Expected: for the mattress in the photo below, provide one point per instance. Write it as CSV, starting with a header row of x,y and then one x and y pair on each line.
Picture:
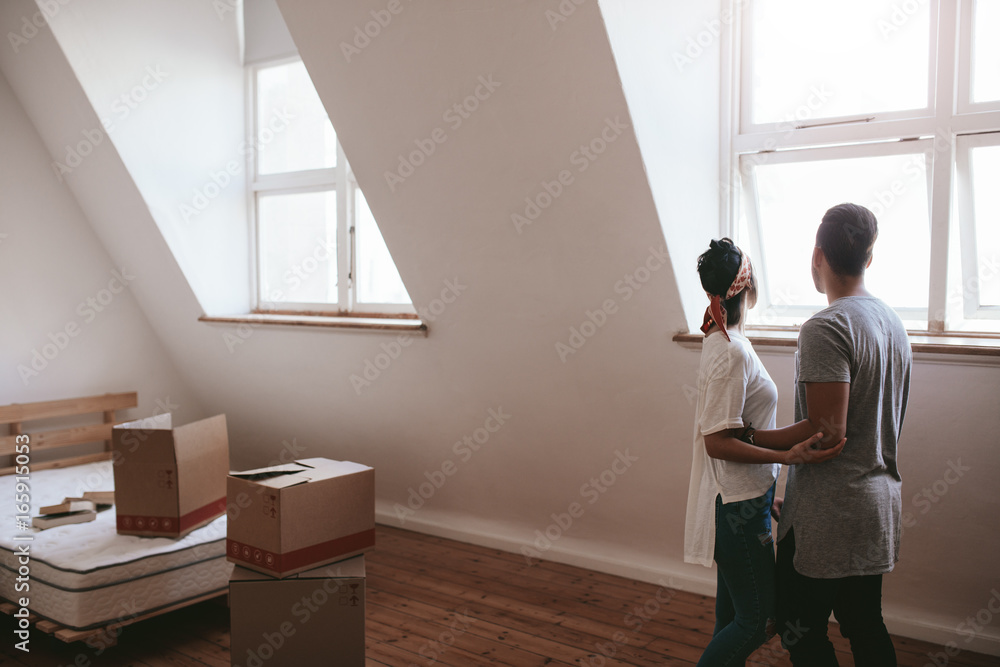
x,y
86,575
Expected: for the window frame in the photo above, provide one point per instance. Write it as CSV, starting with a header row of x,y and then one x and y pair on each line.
x,y
339,179
948,122
755,243
972,306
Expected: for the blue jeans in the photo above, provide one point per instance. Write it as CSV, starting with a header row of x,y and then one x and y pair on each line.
x,y
744,603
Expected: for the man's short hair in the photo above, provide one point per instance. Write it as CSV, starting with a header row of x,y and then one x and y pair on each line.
x,y
846,237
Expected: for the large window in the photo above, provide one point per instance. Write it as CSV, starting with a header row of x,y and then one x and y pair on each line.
x,y
317,247
893,105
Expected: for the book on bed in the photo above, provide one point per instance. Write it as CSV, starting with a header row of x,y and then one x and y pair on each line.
x,y
53,520
68,505
100,497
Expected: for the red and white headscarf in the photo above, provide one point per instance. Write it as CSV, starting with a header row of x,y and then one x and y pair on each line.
x,y
716,312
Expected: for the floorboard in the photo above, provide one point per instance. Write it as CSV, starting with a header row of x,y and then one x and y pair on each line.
x,y
433,601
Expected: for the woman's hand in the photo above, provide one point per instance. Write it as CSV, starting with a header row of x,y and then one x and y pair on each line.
x,y
808,451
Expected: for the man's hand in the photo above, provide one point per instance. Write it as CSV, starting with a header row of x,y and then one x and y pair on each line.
x,y
808,451
776,508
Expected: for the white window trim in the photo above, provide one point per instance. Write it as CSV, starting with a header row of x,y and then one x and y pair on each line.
x,y
965,125
340,179
972,307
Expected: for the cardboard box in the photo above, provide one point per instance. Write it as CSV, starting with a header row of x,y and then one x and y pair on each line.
x,y
295,517
169,481
316,617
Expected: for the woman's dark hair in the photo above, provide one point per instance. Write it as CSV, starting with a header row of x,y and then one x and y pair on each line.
x,y
846,237
718,267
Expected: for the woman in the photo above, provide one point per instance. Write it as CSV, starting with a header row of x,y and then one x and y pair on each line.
x,y
732,481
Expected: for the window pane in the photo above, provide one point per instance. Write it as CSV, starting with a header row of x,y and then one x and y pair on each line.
x,y
986,196
293,131
793,198
298,247
986,52
377,279
846,58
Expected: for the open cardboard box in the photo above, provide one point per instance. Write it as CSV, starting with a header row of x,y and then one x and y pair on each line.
x,y
294,517
169,481
316,617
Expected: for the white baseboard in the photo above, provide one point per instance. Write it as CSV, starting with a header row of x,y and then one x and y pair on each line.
x,y
581,553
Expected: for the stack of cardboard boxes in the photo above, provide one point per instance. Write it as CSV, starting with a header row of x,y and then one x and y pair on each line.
x,y
297,533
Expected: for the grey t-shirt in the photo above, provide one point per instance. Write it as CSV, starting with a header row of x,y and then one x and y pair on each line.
x,y
846,512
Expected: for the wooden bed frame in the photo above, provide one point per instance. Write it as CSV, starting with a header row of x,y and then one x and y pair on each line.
x,y
15,416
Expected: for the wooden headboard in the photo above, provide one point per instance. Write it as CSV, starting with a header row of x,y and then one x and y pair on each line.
x,y
17,414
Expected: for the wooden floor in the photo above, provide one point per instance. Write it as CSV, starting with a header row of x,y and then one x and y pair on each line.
x,y
438,602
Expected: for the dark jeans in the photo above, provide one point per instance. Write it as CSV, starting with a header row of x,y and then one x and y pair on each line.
x,y
804,606
744,602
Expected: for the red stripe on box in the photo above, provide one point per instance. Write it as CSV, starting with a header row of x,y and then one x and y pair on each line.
x,y
170,526
210,510
293,560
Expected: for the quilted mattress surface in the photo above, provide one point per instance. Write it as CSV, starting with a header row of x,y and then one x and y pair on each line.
x,y
84,575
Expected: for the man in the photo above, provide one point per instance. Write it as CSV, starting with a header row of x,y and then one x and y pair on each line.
x,y
839,526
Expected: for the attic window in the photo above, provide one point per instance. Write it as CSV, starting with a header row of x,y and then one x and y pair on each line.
x,y
317,248
895,106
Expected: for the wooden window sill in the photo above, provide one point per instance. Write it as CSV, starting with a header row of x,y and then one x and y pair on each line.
x,y
353,323
981,348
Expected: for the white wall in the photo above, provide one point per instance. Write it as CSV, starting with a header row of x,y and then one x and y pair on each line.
x,y
174,110
494,345
61,297
669,60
